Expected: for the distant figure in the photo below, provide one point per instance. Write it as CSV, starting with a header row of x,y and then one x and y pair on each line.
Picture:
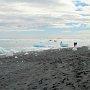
x,y
75,48
75,44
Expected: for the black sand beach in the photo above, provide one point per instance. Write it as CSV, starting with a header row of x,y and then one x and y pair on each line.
x,y
46,70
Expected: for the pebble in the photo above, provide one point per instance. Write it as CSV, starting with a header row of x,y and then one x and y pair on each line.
x,y
26,53
16,57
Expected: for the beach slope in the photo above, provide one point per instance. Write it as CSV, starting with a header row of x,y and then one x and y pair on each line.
x,y
56,69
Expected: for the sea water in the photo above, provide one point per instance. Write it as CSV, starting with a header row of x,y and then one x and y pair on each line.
x,y
17,45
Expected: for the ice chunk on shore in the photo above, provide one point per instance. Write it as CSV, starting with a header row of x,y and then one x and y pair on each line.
x,y
3,50
6,52
74,48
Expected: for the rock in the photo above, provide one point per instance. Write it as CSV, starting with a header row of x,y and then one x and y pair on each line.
x,y
16,57
26,53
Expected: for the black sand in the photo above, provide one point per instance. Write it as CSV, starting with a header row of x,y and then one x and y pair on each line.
x,y
48,70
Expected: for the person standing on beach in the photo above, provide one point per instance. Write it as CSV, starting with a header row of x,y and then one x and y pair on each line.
x,y
75,48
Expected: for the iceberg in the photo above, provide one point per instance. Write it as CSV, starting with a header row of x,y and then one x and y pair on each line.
x,y
63,44
40,46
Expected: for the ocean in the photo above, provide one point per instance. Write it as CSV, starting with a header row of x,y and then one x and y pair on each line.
x,y
17,45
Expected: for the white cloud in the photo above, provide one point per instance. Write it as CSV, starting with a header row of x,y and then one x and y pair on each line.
x,y
66,31
33,30
24,15
84,31
87,1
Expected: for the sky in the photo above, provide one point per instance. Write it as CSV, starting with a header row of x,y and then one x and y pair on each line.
x,y
25,19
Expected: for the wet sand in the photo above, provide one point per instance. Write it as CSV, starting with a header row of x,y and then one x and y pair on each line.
x,y
46,70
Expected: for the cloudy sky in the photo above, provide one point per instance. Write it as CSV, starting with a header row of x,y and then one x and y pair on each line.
x,y
44,19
